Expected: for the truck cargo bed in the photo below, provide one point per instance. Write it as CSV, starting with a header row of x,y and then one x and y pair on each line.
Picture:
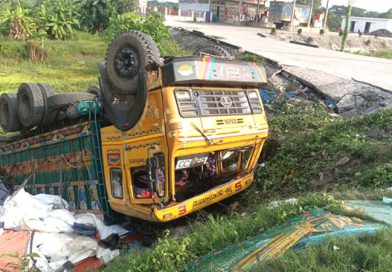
x,y
65,162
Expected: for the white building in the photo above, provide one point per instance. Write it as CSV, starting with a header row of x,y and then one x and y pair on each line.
x,y
367,25
197,6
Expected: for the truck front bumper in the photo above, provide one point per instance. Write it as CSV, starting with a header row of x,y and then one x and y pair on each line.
x,y
198,202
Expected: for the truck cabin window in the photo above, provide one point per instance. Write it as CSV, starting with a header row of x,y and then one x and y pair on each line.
x,y
116,182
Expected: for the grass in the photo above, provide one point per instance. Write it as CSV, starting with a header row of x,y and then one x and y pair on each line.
x,y
358,253
212,233
386,54
70,66
303,157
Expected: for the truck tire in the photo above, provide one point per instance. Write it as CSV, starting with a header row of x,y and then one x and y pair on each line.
x,y
30,104
213,50
62,101
129,54
47,91
9,119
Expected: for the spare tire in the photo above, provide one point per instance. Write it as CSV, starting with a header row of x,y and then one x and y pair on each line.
x,y
129,54
30,104
8,113
62,101
214,51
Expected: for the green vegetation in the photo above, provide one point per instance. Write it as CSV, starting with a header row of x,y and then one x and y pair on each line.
x,y
309,160
359,12
213,233
358,253
152,25
70,66
95,15
386,54
57,19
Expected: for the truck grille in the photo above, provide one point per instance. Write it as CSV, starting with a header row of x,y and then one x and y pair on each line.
x,y
217,102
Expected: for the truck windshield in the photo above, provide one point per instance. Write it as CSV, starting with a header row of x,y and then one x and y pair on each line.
x,y
198,173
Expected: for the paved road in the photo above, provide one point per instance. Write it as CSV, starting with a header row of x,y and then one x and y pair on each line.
x,y
375,71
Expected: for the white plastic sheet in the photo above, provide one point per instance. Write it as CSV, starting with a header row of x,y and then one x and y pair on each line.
x,y
54,240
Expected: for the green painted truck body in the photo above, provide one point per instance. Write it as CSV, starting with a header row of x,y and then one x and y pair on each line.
x,y
65,162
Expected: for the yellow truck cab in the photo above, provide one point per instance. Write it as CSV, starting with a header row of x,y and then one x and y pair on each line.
x,y
197,142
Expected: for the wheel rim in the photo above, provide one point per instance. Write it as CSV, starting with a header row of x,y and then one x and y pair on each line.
x,y
127,62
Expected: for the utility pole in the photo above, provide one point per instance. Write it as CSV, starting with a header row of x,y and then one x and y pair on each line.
x,y
239,18
258,7
326,15
292,13
345,34
311,11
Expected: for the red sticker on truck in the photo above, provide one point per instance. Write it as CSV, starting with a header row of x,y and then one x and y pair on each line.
x,y
238,186
182,210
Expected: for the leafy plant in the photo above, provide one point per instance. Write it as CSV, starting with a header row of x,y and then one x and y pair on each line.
x,y
299,31
152,25
17,22
273,31
322,31
95,16
57,18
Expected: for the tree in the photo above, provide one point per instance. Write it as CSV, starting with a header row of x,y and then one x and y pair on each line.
x,y
16,22
387,14
57,18
334,22
95,14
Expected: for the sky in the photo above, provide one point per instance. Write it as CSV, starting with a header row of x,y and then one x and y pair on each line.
x,y
370,5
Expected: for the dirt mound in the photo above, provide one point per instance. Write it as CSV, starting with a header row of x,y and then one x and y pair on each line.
x,y
382,33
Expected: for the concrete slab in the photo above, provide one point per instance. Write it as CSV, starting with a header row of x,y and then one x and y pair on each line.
x,y
374,71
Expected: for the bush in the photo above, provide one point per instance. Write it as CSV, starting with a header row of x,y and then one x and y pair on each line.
x,y
322,31
299,31
309,40
273,31
152,25
359,33
95,15
17,22
341,33
368,42
55,19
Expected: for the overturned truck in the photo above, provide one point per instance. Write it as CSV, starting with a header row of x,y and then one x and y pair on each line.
x,y
158,139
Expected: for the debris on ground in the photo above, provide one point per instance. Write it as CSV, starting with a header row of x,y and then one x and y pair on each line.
x,y
332,41
304,230
348,97
43,231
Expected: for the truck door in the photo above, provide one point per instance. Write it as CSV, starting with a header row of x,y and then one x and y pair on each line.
x,y
146,154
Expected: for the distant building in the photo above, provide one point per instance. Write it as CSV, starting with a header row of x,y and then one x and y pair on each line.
x,y
199,7
142,6
367,25
223,10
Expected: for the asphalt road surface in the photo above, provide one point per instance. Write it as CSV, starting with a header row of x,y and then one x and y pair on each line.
x,y
375,71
